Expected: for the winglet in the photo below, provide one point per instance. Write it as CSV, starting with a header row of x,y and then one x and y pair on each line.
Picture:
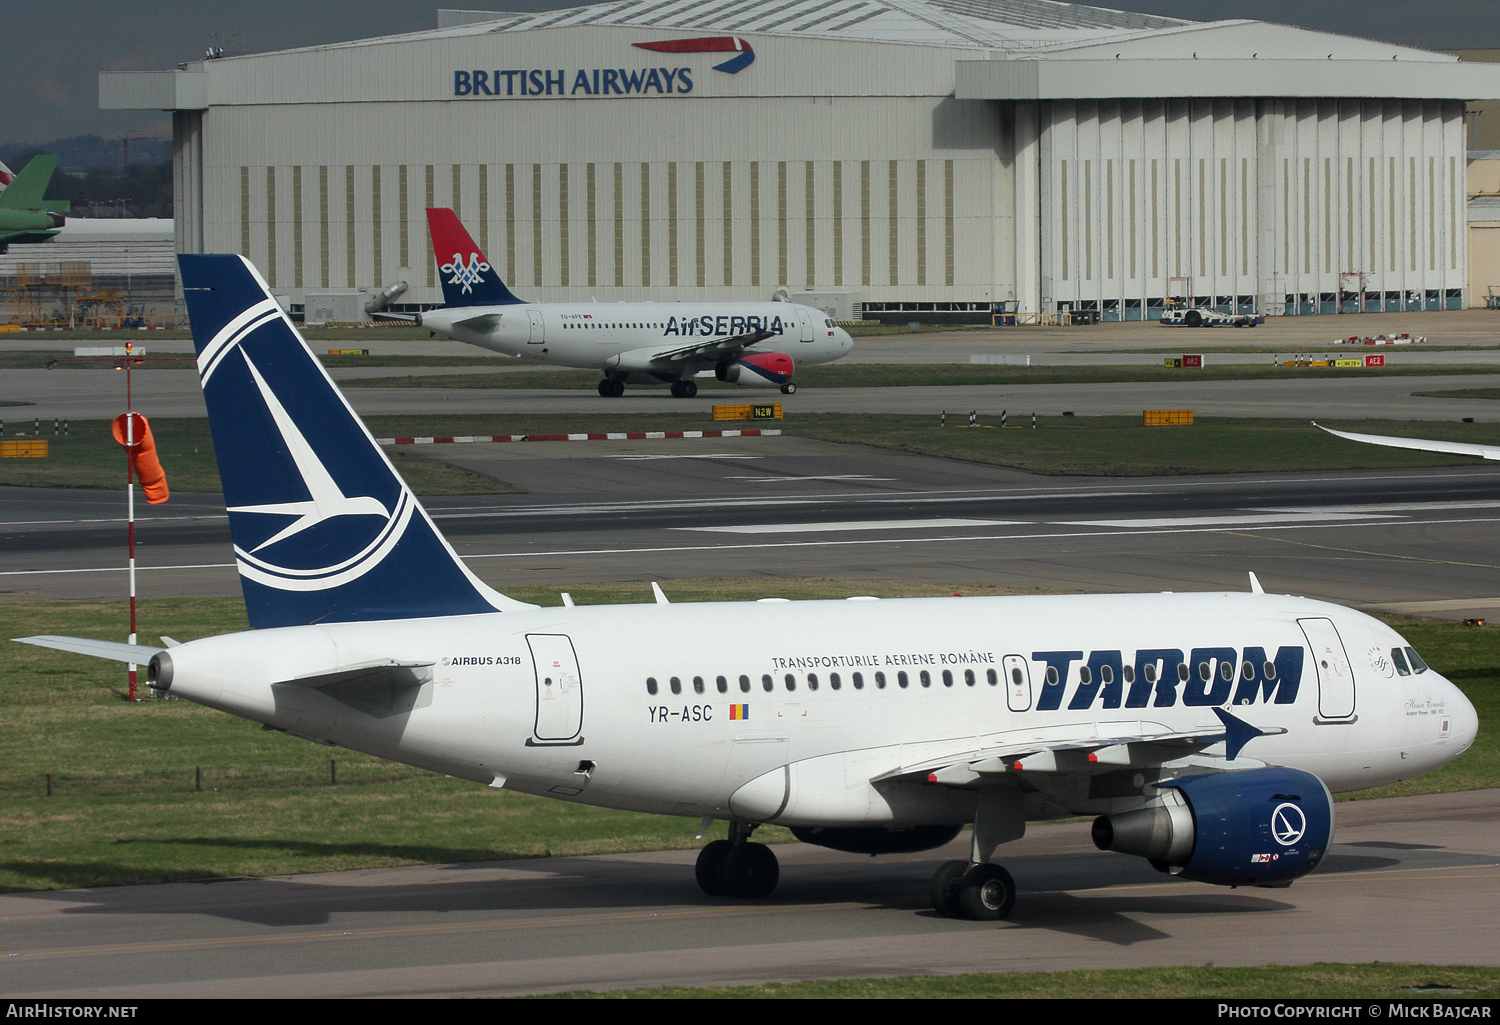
x,y
1255,587
661,598
1237,733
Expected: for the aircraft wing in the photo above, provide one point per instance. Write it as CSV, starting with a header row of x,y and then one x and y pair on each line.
x,y
712,349
1457,448
1095,755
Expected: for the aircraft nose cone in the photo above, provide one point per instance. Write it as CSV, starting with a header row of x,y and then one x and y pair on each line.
x,y
1465,725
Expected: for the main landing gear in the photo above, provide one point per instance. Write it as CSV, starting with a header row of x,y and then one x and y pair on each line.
x,y
684,389
736,867
611,387
985,893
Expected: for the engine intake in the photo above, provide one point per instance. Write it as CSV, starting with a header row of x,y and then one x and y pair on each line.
x,y
1251,827
760,370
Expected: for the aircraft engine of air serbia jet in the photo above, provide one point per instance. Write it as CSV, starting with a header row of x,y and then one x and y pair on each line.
x,y
754,344
1206,732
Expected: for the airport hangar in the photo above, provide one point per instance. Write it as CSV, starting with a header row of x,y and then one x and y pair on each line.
x,y
916,159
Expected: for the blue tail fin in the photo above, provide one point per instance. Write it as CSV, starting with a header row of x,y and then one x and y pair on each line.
x,y
325,530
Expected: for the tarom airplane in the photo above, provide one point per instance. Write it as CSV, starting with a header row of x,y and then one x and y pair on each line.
x,y
1207,732
754,344
24,215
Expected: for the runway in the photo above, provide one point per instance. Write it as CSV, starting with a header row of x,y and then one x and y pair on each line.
x,y
1431,864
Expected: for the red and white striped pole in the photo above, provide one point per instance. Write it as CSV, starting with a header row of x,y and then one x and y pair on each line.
x,y
130,504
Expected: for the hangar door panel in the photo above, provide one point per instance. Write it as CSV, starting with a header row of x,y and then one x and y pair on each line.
x,y
559,688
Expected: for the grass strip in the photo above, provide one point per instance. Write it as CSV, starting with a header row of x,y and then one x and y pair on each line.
x,y
1112,446
909,375
1405,982
125,807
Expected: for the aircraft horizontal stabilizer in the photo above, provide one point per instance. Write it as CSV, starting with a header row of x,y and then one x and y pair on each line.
x,y
138,654
375,674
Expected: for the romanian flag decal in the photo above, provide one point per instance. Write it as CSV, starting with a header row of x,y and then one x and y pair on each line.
x,y
739,712
709,44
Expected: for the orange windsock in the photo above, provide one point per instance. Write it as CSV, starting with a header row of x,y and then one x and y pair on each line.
x,y
142,453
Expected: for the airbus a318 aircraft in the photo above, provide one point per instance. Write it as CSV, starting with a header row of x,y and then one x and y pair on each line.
x,y
1206,732
752,344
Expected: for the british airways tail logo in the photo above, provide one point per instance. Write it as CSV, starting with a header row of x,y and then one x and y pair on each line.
x,y
709,44
465,275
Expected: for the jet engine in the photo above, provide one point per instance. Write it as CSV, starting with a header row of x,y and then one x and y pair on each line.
x,y
1250,827
761,370
877,839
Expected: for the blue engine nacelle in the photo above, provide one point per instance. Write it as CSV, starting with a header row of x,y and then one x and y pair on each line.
x,y
1250,827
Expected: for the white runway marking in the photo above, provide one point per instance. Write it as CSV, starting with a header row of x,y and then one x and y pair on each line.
x,y
803,528
827,476
1266,519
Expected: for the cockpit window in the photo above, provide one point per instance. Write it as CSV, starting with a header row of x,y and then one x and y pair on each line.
x,y
1399,658
1416,660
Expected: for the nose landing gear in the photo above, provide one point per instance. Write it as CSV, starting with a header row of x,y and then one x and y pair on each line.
x,y
737,867
611,387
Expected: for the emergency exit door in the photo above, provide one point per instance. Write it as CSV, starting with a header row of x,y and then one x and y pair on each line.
x,y
1335,673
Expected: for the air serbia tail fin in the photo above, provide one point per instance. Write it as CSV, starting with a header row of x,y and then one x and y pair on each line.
x,y
324,528
468,278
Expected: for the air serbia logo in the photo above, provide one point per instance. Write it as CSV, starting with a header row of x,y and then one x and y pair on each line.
x,y
465,276
710,44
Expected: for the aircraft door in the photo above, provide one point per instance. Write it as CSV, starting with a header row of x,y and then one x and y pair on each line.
x,y
804,321
1017,672
1335,674
537,327
559,690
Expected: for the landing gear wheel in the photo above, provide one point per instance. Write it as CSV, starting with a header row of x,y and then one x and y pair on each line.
x,y
986,893
616,388
605,388
750,871
684,389
710,868
789,389
945,887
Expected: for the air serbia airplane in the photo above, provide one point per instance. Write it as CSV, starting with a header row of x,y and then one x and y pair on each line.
x,y
1207,732
756,345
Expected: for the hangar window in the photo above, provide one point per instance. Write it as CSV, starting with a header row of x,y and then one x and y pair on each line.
x,y
833,680
767,683
676,685
723,685
1399,657
791,682
812,681
697,685
650,685
901,680
744,685
926,678
859,681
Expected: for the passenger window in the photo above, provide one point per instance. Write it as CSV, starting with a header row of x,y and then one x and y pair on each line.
x,y
1204,672
1150,670
1182,672
901,680
1226,671
1051,676
791,682
697,685
650,685
1015,676
723,685
744,685
969,677
1128,673
1416,660
1085,675
1247,670
859,681
1107,674
676,685
926,678
880,681
812,681
993,677
947,678
1268,670
767,683
833,680
1397,656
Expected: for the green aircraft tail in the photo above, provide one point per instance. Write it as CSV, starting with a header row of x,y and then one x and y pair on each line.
x,y
27,188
